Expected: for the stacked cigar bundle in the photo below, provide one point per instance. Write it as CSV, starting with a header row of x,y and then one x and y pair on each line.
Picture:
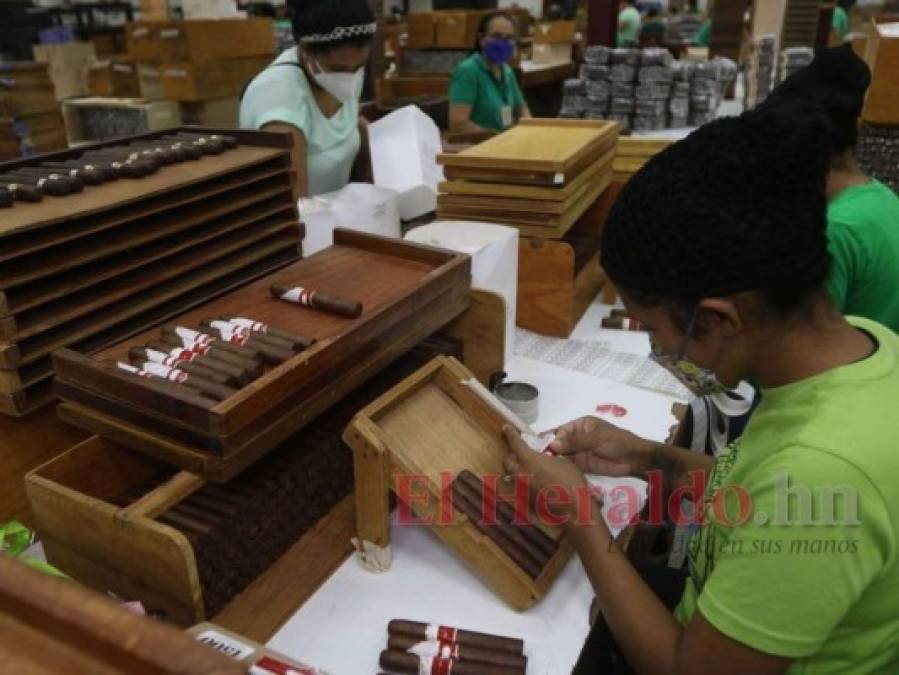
x,y
527,546
213,362
136,159
621,320
414,647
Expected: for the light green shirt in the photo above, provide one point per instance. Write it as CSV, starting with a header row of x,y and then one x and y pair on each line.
x,y
863,238
824,595
475,84
840,22
628,26
283,94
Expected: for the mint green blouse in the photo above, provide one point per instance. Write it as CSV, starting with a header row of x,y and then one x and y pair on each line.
x,y
283,94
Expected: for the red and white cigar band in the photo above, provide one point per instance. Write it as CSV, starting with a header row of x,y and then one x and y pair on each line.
x,y
249,324
442,634
152,369
172,359
300,296
269,665
230,328
127,367
191,337
631,324
435,649
196,348
235,336
433,665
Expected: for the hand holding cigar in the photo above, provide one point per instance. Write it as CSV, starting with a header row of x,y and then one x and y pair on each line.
x,y
308,297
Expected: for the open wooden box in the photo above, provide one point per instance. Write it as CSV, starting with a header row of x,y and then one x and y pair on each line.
x,y
433,425
408,292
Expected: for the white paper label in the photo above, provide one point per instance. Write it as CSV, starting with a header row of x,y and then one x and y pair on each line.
x,y
169,33
559,178
506,116
122,68
175,72
225,644
189,336
249,324
128,367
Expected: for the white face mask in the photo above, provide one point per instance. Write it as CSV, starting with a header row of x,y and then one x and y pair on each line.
x,y
342,86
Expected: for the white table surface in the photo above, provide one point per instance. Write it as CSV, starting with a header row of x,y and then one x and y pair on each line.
x,y
342,628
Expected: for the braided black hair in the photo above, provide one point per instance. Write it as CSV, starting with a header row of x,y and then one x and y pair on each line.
x,y
835,81
320,17
739,205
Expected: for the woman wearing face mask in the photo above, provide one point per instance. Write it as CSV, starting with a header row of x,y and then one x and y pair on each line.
x,y
719,247
484,92
312,91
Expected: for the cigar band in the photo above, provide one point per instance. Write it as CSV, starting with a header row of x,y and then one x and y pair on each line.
x,y
228,327
441,634
249,324
234,337
631,324
434,649
434,665
193,336
179,355
198,349
299,295
155,355
163,371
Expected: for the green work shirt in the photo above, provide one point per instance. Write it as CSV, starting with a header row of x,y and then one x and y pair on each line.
x,y
475,84
704,35
628,26
283,94
863,235
816,579
840,22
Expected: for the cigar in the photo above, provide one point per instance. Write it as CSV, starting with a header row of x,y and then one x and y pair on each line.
x,y
21,192
187,363
225,141
623,324
245,339
507,528
298,341
124,153
90,174
121,168
404,662
228,326
239,375
191,336
618,313
55,187
74,180
447,634
544,543
464,652
6,198
213,390
165,151
215,351
306,297
206,144
168,385
464,504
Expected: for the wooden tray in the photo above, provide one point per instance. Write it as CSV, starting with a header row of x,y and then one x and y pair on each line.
x,y
408,292
536,151
433,426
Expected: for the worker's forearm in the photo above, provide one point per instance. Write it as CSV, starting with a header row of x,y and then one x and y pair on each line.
x,y
678,466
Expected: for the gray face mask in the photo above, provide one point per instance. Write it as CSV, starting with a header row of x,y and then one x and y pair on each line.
x,y
701,381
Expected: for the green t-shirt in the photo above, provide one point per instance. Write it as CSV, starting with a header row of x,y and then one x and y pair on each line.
x,y
863,234
628,26
840,22
476,85
704,35
825,595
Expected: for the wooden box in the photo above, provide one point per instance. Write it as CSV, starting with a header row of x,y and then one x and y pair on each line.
x,y
421,30
114,77
143,40
149,78
201,81
408,292
198,40
546,54
50,625
434,426
554,33
882,102
456,29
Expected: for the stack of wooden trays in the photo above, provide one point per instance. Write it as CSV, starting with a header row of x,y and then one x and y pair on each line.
x,y
30,119
86,270
546,178
632,154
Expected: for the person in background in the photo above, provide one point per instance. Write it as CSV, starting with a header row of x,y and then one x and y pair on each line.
x,y
862,213
841,23
312,92
652,32
704,34
484,94
718,247
628,24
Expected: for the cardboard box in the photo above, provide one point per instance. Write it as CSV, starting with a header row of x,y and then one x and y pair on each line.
x,y
211,9
142,38
250,654
190,81
421,30
68,64
457,30
149,78
203,40
550,54
129,115
219,113
554,32
882,102
115,77
155,10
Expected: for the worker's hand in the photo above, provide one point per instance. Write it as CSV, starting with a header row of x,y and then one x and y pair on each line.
x,y
597,447
546,473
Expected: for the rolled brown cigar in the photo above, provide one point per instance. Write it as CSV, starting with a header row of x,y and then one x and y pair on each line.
x,y
55,187
239,375
623,324
506,511
124,153
215,351
21,192
465,652
507,527
213,390
187,364
121,168
74,180
90,174
298,341
307,297
215,140
190,336
221,324
464,504
6,198
405,662
204,143
449,635
236,336
164,151
164,384
619,313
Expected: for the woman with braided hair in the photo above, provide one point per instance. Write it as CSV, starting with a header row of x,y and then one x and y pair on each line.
x,y
312,92
719,247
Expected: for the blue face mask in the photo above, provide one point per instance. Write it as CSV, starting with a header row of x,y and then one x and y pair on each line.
x,y
499,51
